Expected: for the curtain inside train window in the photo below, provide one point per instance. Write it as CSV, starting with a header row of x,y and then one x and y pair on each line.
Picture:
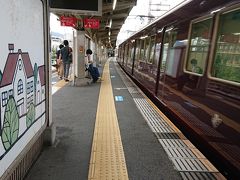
x,y
226,63
198,46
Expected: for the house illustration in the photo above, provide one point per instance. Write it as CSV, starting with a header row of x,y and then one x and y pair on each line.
x,y
17,81
40,85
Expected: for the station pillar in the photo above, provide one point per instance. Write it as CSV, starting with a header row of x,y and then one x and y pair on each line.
x,y
79,54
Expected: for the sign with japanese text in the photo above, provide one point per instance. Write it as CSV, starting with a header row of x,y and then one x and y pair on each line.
x,y
91,23
68,21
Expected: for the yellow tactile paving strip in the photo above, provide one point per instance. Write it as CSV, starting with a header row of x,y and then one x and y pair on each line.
x,y
107,156
58,86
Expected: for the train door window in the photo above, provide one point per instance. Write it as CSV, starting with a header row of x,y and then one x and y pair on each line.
x,y
147,49
137,52
152,49
165,50
126,54
198,46
142,49
132,51
226,61
122,51
130,54
157,49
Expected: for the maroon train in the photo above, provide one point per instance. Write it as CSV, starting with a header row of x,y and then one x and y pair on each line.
x,y
188,62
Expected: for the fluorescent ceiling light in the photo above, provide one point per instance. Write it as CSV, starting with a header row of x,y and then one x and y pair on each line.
x,y
110,23
215,11
236,34
114,4
160,30
143,37
169,29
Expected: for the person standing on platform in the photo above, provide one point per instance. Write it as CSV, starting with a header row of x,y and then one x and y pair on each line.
x,y
59,62
66,56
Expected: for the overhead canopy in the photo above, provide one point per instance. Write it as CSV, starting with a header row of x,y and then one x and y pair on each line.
x,y
111,20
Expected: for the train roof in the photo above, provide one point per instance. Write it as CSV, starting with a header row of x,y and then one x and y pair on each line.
x,y
187,10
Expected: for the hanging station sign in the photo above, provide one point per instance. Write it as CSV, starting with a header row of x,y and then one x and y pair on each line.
x,y
72,22
91,23
68,21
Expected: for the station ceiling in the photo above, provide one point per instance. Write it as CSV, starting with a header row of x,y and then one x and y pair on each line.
x,y
117,16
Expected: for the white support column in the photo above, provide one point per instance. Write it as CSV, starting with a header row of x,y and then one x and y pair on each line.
x,y
79,51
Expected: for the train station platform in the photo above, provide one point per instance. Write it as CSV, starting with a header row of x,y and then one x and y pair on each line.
x,y
111,130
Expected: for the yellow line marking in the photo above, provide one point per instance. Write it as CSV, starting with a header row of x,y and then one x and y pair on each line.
x,y
107,156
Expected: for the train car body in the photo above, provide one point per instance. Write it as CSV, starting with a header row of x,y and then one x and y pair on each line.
x,y
188,62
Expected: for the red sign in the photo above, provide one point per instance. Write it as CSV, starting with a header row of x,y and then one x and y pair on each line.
x,y
68,21
91,23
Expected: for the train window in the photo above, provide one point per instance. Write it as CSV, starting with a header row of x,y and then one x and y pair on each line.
x,y
157,49
226,64
137,53
169,39
198,46
147,49
141,49
126,54
152,50
130,54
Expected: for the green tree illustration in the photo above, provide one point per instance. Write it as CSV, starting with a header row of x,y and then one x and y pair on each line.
x,y
10,128
30,115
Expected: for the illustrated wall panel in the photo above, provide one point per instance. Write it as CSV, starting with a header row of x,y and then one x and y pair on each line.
x,y
22,76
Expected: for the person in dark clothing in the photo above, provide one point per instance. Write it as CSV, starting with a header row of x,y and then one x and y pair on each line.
x,y
66,56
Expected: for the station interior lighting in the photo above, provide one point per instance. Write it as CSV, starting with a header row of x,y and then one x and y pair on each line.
x,y
143,37
114,4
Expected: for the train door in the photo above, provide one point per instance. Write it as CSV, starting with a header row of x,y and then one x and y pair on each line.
x,y
168,41
130,57
198,53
